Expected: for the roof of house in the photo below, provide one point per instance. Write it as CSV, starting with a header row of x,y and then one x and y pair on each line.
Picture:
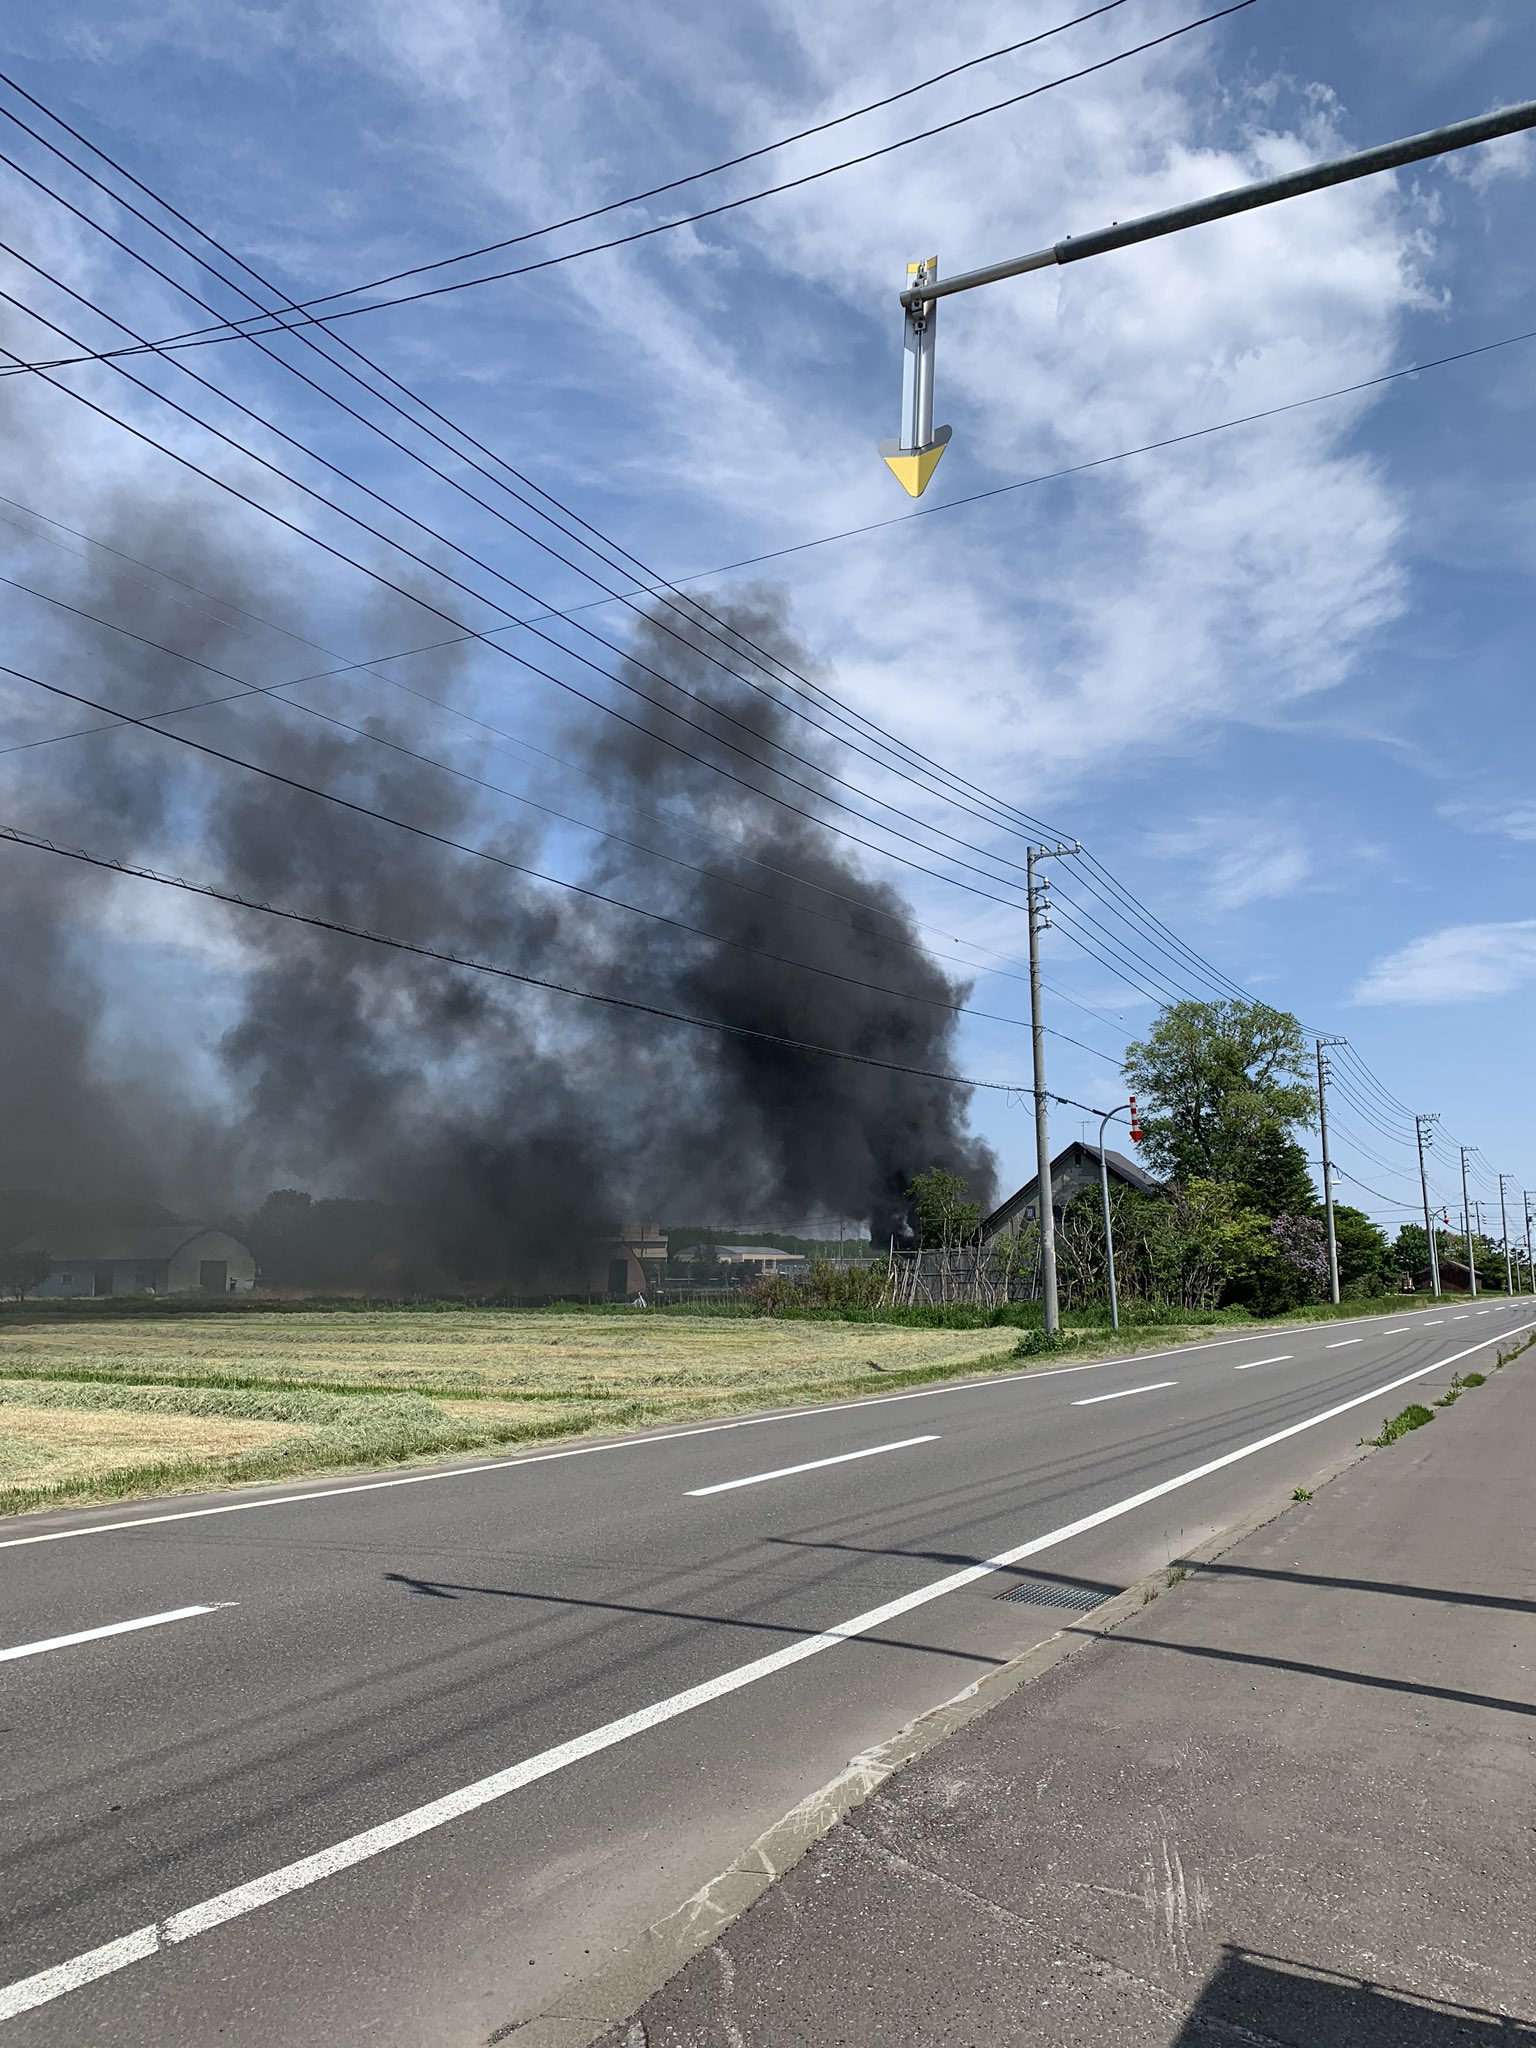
x,y
102,1246
1124,1170
756,1251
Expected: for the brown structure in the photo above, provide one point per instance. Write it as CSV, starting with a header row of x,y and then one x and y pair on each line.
x,y
629,1263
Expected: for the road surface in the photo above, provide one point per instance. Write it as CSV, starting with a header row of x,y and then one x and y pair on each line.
x,y
400,1760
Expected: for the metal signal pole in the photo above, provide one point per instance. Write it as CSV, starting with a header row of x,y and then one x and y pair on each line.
x,y
914,457
1429,1228
1466,1218
1045,1207
1323,1071
1509,1271
1109,1227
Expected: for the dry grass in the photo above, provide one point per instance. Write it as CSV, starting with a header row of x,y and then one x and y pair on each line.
x,y
93,1410
48,1448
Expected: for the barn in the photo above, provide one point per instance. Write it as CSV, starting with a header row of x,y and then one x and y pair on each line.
x,y
171,1258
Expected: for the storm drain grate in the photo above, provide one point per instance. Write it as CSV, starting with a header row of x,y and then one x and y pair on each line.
x,y
1053,1593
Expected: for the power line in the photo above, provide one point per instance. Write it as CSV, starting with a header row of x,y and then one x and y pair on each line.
x,y
499,860
1144,917
683,220
1139,925
19,836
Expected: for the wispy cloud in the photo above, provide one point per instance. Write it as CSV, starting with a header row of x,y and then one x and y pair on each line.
x,y
1235,860
1460,964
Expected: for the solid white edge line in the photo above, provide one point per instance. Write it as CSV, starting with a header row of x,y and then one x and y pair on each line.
x,y
1123,1393
811,1465
1280,1358
113,1628
630,1443
46,1985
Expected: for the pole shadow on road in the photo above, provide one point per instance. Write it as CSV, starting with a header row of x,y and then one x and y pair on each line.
x,y
1252,1997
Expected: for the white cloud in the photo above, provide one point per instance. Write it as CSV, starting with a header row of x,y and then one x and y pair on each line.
x,y
1137,610
1238,859
1457,965
1510,156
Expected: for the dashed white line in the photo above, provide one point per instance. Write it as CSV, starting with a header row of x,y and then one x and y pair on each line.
x,y
1431,1322
113,1628
1485,1311
27,1993
1343,1341
812,1465
1093,1400
1280,1358
1400,1331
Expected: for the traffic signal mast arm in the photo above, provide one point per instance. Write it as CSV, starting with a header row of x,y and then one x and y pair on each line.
x,y
920,447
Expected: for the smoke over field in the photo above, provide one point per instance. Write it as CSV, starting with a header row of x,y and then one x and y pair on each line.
x,y
508,1127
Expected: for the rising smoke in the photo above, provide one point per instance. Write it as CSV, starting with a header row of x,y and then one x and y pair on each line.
x,y
508,1128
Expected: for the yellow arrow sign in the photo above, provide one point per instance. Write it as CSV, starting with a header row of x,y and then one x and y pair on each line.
x,y
913,467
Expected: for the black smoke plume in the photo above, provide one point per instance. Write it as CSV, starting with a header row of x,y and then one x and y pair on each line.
x,y
507,1129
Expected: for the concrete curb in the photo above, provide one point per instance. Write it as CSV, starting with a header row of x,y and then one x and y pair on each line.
x,y
623,1983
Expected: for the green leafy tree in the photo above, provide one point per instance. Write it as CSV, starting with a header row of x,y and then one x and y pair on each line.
x,y
942,1210
1367,1264
1215,1082
1278,1181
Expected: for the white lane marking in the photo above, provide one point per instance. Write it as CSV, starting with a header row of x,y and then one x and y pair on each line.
x,y
1431,1321
630,1443
1484,1311
1280,1358
1094,1399
1400,1331
813,1465
1343,1341
113,1628
44,1986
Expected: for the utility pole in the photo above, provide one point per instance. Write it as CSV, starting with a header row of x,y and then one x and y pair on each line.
x,y
914,457
1509,1271
1466,1218
1323,1072
1530,1261
1045,1210
1419,1123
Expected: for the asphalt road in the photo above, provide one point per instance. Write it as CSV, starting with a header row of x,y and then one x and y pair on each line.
x,y
398,1761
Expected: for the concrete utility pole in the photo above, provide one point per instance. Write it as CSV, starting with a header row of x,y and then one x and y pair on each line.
x,y
1530,1260
1419,1123
1509,1271
1039,921
915,456
1466,1220
1323,1071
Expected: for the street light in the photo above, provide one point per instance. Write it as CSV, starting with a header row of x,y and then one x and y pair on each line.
x,y
1109,1228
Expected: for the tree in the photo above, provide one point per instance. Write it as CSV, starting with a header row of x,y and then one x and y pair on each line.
x,y
1279,1181
1215,1082
20,1272
1366,1264
940,1207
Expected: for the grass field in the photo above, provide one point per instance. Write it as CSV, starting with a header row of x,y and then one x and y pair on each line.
x,y
94,1407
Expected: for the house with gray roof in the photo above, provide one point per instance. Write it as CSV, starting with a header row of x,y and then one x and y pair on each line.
x,y
1071,1171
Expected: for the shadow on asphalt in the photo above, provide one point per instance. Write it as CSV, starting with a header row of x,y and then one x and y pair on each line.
x,y
1507,1602
1255,1998
1115,1638
447,1589
962,1558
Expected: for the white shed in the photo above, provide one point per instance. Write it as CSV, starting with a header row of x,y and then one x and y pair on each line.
x,y
172,1258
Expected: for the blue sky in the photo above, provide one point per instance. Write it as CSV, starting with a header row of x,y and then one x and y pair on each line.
x,y
1277,679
